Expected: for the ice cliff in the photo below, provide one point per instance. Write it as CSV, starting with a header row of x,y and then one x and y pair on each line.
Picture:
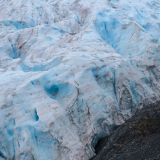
x,y
71,70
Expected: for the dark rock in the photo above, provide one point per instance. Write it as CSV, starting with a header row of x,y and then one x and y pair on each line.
x,y
137,139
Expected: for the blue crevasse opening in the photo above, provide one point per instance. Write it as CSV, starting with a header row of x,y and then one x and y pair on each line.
x,y
41,67
59,91
125,37
53,90
16,24
36,117
14,53
108,27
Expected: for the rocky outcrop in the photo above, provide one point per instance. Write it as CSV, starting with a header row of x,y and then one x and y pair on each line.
x,y
138,138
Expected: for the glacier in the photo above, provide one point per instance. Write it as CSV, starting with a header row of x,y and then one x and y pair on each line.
x,y
72,70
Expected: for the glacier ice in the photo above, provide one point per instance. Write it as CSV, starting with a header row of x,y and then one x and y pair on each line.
x,y
70,71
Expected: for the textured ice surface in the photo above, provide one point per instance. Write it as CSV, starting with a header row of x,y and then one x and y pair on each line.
x,y
71,70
